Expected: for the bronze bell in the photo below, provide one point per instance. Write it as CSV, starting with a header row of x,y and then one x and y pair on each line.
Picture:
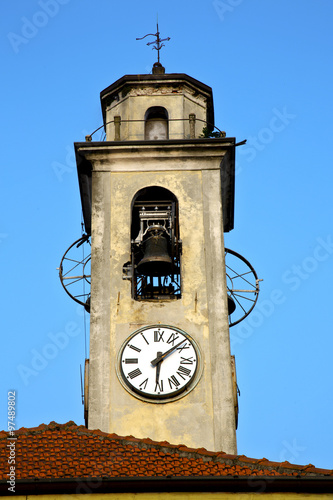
x,y
231,305
87,304
156,260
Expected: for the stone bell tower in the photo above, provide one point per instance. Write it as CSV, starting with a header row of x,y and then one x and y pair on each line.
x,y
157,196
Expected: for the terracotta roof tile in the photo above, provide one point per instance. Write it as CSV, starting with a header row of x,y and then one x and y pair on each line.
x,y
71,451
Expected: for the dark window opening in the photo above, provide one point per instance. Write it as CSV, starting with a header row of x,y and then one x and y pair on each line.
x,y
155,245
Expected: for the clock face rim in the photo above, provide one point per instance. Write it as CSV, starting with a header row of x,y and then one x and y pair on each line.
x,y
155,398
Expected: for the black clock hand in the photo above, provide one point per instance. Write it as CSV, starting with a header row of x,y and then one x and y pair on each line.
x,y
160,358
158,368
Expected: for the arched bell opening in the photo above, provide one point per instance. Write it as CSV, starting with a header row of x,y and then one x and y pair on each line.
x,y
156,124
155,245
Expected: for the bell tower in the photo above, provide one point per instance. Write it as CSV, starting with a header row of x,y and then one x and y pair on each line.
x,y
157,196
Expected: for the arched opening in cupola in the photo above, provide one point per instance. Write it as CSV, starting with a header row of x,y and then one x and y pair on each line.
x,y
156,124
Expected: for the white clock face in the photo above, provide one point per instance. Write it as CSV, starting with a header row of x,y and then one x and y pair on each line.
x,y
159,362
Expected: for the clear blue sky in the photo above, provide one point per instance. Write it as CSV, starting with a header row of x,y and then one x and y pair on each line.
x,y
270,66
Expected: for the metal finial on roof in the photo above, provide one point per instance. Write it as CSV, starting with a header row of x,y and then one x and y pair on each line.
x,y
158,42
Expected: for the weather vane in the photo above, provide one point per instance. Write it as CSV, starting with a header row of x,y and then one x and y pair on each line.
x,y
158,42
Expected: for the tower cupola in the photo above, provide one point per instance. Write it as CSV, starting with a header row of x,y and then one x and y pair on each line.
x,y
185,104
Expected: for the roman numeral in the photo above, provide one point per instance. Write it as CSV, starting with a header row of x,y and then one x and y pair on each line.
x,y
183,371
131,361
159,386
182,347
172,339
134,348
134,373
187,361
145,382
158,336
173,381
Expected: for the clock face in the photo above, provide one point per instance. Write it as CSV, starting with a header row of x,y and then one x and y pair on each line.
x,y
159,362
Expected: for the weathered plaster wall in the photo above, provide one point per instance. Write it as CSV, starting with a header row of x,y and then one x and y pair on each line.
x,y
204,417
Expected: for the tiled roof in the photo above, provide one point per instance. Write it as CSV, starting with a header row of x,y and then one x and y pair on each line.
x,y
60,451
